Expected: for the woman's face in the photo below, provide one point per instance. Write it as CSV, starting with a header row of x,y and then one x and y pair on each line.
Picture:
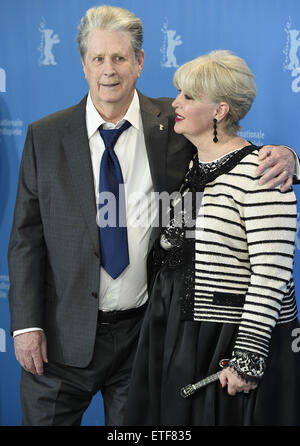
x,y
193,118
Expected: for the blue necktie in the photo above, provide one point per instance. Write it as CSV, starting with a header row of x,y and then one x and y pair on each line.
x,y
113,239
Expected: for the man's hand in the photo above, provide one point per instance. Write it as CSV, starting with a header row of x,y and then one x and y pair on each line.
x,y
235,383
31,351
281,164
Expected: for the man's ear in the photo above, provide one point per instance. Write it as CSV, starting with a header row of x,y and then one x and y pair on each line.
x,y
84,68
140,62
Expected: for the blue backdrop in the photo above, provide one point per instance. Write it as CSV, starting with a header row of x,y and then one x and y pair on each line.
x,y
41,72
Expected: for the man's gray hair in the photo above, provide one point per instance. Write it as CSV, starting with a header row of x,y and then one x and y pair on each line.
x,y
114,19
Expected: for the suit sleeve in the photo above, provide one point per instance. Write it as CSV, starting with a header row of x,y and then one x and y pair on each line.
x,y
26,251
296,179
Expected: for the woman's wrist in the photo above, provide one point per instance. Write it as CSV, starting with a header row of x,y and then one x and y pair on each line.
x,y
247,365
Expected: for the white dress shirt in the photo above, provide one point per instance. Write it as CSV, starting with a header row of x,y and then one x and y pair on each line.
x,y
129,290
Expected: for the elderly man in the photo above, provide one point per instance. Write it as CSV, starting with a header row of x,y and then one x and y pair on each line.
x,y
78,291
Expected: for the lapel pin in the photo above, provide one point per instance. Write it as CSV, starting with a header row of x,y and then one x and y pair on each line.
x,y
161,127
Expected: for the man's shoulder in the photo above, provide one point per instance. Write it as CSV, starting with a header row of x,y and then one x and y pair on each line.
x,y
161,100
62,117
163,104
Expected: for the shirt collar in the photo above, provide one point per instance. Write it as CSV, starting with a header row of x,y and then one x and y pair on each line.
x,y
94,120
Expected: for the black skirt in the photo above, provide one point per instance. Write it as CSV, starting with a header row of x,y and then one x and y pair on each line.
x,y
173,353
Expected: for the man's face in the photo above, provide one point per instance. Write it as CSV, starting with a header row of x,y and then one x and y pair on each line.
x,y
111,71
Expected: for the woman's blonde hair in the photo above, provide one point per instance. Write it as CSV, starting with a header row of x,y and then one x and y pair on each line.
x,y
219,76
113,19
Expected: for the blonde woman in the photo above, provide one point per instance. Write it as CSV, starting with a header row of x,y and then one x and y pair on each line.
x,y
222,287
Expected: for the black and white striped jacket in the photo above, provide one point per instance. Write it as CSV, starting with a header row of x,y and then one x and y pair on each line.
x,y
244,251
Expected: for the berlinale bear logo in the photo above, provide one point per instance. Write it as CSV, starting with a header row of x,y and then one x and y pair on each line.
x,y
291,55
48,40
2,341
2,81
171,41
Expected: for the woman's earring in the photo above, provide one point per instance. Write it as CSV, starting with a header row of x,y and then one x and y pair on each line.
x,y
215,131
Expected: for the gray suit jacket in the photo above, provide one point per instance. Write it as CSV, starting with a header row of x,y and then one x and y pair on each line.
x,y
54,260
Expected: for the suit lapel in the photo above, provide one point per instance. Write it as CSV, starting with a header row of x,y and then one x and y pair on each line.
x,y
156,137
77,152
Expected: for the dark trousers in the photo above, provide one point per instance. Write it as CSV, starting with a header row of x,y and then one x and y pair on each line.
x,y
61,395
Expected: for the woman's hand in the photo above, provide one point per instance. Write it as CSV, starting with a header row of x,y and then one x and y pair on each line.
x,y
234,382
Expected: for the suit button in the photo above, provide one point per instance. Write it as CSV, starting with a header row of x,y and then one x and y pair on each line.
x,y
96,254
94,294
